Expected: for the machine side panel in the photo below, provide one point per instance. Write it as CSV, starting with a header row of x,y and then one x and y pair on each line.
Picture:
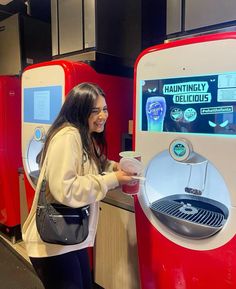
x,y
10,150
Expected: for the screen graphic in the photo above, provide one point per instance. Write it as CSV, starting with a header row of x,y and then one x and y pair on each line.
x,y
196,104
42,105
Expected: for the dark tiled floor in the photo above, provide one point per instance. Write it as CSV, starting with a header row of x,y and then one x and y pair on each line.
x,y
15,271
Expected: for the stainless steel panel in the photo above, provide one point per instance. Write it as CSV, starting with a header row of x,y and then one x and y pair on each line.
x,y
70,25
54,27
10,51
89,24
202,13
173,17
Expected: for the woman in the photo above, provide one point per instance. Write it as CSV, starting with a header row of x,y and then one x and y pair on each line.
x,y
75,157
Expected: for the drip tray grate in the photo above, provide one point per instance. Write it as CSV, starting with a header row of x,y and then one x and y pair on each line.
x,y
191,216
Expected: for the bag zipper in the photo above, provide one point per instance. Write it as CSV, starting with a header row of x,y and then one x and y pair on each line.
x,y
85,209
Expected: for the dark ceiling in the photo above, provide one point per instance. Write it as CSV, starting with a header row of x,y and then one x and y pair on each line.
x,y
37,9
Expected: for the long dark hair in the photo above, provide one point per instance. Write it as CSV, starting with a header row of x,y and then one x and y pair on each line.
x,y
76,111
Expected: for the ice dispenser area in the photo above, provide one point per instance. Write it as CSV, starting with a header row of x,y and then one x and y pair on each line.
x,y
186,192
32,160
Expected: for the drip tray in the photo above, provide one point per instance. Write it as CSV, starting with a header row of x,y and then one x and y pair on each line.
x,y
195,217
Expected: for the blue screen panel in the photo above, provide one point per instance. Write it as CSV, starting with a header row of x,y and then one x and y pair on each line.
x,y
42,104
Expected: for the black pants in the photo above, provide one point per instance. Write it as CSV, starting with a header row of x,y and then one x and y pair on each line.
x,y
67,271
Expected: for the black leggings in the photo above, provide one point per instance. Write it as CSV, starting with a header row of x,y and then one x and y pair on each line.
x,y
67,271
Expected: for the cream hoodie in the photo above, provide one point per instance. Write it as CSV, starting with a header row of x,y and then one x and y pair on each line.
x,y
71,183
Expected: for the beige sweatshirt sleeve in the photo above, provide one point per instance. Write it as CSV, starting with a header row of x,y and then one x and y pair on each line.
x,y
64,173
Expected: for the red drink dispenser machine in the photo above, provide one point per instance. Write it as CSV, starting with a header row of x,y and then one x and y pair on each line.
x,y
185,130
10,156
44,88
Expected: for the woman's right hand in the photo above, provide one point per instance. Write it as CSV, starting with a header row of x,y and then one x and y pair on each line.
x,y
123,177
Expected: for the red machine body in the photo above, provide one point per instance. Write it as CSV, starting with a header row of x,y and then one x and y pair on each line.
x,y
10,154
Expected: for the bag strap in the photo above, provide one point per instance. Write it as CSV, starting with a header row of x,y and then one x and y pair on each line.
x,y
42,200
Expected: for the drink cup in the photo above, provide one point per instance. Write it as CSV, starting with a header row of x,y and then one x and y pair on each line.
x,y
130,163
131,188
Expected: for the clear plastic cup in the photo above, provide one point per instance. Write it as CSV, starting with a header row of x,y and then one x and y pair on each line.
x,y
133,165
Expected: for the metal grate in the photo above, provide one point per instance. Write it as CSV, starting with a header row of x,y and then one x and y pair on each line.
x,y
186,211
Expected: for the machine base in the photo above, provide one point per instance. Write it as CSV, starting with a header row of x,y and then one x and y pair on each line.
x,y
13,234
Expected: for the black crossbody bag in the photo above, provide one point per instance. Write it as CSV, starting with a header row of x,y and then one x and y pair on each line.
x,y
60,224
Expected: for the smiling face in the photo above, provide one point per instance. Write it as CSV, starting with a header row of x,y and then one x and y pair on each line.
x,y
98,116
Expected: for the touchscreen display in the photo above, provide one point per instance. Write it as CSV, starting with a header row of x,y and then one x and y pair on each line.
x,y
203,104
42,104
